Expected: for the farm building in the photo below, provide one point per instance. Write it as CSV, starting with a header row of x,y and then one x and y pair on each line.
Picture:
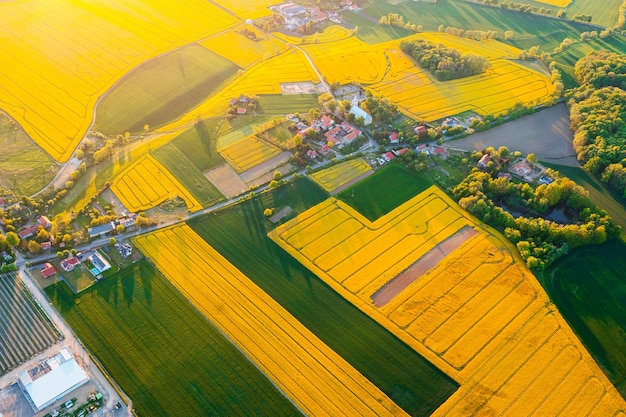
x,y
28,232
51,379
48,270
44,222
100,231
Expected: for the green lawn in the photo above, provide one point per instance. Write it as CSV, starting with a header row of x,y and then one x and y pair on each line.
x,y
240,234
188,174
388,188
589,289
284,104
199,144
163,353
24,167
162,89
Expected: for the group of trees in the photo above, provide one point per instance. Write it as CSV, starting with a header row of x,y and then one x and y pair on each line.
x,y
380,108
598,111
539,241
444,63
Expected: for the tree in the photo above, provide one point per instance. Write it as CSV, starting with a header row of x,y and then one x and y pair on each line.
x,y
273,184
34,247
268,212
12,239
112,241
277,175
531,158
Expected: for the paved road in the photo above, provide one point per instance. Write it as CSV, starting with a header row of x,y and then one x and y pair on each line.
x,y
545,133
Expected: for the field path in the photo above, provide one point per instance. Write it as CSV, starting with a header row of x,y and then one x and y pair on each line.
x,y
545,133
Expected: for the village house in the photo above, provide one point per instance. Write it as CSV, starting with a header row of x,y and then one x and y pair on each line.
x,y
343,134
324,150
44,222
100,231
484,160
46,246
69,263
441,152
420,131
28,231
394,138
48,270
311,153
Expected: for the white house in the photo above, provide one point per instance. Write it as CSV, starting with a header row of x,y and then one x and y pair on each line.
x,y
359,112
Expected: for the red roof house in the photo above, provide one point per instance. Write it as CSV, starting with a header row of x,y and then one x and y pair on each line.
x,y
388,156
325,149
69,263
46,246
241,110
484,160
28,232
420,130
48,270
442,152
44,222
311,153
394,137
326,122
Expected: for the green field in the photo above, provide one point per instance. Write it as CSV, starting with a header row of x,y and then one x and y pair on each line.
x,y
603,13
529,29
162,89
240,234
163,353
589,289
199,144
284,104
388,188
24,167
188,174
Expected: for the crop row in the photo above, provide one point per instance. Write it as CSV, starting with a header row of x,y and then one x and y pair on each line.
x,y
318,380
147,184
247,153
63,56
334,177
478,313
25,329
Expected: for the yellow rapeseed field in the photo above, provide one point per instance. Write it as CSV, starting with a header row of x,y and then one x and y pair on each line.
x,y
329,34
60,56
557,3
330,179
249,9
242,51
147,183
248,153
349,60
459,294
313,376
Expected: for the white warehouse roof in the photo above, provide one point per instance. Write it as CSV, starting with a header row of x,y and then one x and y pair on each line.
x,y
64,376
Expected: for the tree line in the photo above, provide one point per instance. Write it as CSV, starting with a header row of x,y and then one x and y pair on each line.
x,y
540,241
443,62
598,112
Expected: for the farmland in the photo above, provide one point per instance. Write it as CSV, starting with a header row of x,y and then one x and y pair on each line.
x,y
330,179
576,283
399,185
162,89
253,9
190,177
147,183
475,311
26,330
24,167
421,96
163,353
312,375
199,144
61,66
239,234
247,153
247,51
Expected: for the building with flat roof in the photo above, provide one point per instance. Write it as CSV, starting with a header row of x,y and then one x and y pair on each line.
x,y
51,380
